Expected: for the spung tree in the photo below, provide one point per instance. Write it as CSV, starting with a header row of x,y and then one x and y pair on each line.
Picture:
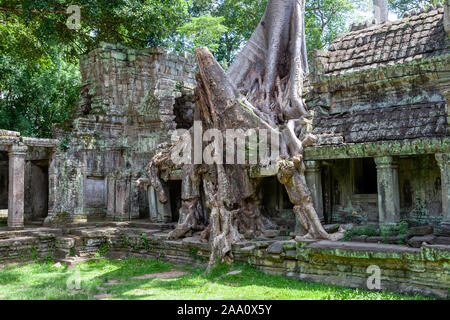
x,y
261,90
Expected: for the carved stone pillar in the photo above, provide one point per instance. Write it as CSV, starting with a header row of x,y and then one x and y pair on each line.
x,y
443,160
122,212
447,16
52,185
388,190
152,204
159,212
314,180
111,196
16,192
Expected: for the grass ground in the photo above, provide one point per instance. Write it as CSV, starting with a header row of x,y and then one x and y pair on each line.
x,y
113,279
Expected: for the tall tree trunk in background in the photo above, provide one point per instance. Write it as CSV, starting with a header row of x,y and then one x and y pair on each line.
x,y
270,68
381,11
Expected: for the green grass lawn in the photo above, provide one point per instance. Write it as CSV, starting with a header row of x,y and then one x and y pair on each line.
x,y
112,279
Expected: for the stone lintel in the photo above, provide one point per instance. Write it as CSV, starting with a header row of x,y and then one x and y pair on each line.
x,y
8,140
374,149
4,133
176,175
34,142
443,160
261,172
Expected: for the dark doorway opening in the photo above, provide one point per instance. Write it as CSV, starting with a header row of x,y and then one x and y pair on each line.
x,y
365,174
184,113
39,190
175,198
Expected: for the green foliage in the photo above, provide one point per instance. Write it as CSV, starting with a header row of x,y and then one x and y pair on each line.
x,y
103,250
33,97
401,6
193,252
38,25
326,19
204,31
369,231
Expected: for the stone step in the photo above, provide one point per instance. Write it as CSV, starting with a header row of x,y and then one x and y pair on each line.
x,y
151,225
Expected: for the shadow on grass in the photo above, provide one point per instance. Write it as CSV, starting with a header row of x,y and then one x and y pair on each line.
x,y
250,283
96,279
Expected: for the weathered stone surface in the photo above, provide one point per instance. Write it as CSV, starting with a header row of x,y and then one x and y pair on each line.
x,y
373,102
376,239
16,190
376,124
442,240
351,51
130,103
420,231
276,247
271,233
359,238
416,242
442,230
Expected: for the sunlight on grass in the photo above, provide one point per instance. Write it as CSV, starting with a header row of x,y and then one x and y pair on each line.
x,y
112,279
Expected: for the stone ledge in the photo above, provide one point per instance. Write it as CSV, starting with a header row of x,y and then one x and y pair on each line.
x,y
34,142
362,246
385,148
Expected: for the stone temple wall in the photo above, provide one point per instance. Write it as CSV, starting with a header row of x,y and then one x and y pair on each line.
x,y
126,109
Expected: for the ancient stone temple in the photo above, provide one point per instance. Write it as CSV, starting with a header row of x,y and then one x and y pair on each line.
x,y
130,103
378,99
380,96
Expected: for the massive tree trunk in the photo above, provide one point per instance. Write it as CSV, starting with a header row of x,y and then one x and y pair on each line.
x,y
270,68
262,90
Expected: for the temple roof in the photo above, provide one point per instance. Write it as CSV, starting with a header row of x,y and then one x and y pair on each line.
x,y
417,36
384,124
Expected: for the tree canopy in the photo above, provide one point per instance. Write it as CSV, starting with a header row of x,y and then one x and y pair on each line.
x,y
35,26
401,6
